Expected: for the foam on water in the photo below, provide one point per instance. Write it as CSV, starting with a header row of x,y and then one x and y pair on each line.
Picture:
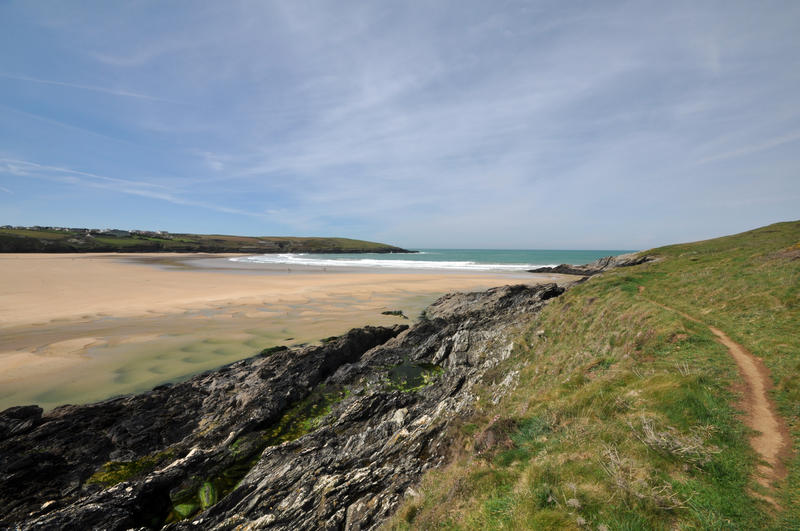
x,y
393,263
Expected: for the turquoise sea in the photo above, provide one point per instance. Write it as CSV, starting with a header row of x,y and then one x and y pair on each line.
x,y
453,259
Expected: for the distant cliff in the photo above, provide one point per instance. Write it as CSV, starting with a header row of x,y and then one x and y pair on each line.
x,y
79,240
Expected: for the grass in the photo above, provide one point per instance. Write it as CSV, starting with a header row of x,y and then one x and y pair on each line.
x,y
625,415
45,234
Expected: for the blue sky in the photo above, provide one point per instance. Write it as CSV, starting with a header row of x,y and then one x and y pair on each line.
x,y
496,124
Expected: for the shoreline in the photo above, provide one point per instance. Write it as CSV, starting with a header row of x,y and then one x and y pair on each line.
x,y
39,288
79,327
206,262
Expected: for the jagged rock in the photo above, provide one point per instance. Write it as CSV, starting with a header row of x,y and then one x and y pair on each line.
x,y
18,420
598,266
329,437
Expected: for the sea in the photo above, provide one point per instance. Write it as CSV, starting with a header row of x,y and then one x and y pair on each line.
x,y
440,259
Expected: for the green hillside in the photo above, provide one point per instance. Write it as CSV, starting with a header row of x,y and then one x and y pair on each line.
x,y
62,240
627,414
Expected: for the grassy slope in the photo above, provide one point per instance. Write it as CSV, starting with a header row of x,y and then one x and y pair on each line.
x,y
612,366
22,240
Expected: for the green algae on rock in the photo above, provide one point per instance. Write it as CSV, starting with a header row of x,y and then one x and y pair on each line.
x,y
302,418
411,377
114,472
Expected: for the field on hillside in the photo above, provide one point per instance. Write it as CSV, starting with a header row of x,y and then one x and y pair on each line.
x,y
50,240
626,415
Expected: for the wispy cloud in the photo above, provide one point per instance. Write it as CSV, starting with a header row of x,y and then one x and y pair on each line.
x,y
92,88
754,148
28,168
63,125
24,168
454,123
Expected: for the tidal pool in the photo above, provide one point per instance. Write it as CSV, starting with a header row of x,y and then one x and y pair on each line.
x,y
86,361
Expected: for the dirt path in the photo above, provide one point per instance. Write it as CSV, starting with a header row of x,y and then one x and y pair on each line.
x,y
771,440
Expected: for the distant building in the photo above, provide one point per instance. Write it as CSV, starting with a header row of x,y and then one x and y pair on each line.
x,y
116,233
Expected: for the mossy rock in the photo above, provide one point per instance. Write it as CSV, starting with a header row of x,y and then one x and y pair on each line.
x,y
272,350
412,377
207,495
114,472
185,510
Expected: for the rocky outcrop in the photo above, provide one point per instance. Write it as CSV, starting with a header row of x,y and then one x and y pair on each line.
x,y
598,266
328,437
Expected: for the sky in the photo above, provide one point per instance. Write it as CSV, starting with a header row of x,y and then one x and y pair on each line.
x,y
454,124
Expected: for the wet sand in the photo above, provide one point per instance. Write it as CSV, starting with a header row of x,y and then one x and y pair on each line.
x,y
76,328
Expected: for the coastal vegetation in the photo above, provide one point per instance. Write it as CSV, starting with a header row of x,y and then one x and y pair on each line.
x,y
628,414
615,401
78,240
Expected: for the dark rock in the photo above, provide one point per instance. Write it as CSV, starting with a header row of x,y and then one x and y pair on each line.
x,y
18,420
598,266
328,437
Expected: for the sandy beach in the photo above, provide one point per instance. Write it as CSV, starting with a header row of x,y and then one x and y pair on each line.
x,y
81,327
